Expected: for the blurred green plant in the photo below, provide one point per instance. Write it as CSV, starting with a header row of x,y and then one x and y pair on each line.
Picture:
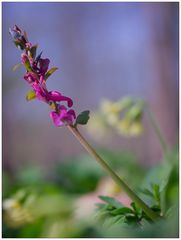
x,y
159,189
81,175
35,205
114,212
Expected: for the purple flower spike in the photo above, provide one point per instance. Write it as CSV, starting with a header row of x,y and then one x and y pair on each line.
x,y
37,74
64,117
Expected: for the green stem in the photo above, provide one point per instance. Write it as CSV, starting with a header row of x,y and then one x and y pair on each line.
x,y
158,132
151,214
164,147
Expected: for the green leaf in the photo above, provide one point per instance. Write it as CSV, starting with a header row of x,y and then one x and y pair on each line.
x,y
156,191
156,208
50,72
33,51
122,211
28,66
26,36
111,201
147,192
16,66
137,210
19,45
82,118
30,95
131,220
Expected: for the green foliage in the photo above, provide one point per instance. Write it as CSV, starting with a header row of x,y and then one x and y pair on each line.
x,y
115,212
47,203
28,66
153,194
78,175
19,45
82,174
82,118
159,190
50,72
30,95
33,51
111,201
16,66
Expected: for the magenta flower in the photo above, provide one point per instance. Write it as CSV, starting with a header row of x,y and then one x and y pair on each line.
x,y
28,45
45,96
57,97
63,117
40,91
31,77
43,65
40,65
24,58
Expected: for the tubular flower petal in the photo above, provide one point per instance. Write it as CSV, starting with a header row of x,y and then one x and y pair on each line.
x,y
57,97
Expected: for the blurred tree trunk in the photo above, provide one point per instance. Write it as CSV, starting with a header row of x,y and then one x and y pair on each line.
x,y
165,60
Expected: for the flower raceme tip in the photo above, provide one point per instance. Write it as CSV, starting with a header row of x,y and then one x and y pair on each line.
x,y
36,75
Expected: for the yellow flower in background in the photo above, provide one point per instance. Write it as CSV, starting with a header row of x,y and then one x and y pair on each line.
x,y
111,110
131,124
124,115
115,107
130,129
108,106
15,214
136,128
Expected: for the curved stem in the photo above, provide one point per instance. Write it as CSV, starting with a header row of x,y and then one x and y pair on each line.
x,y
151,214
158,132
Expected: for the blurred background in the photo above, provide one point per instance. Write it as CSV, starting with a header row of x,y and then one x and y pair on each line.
x,y
103,51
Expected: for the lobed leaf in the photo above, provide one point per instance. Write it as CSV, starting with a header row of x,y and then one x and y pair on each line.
x,y
82,118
